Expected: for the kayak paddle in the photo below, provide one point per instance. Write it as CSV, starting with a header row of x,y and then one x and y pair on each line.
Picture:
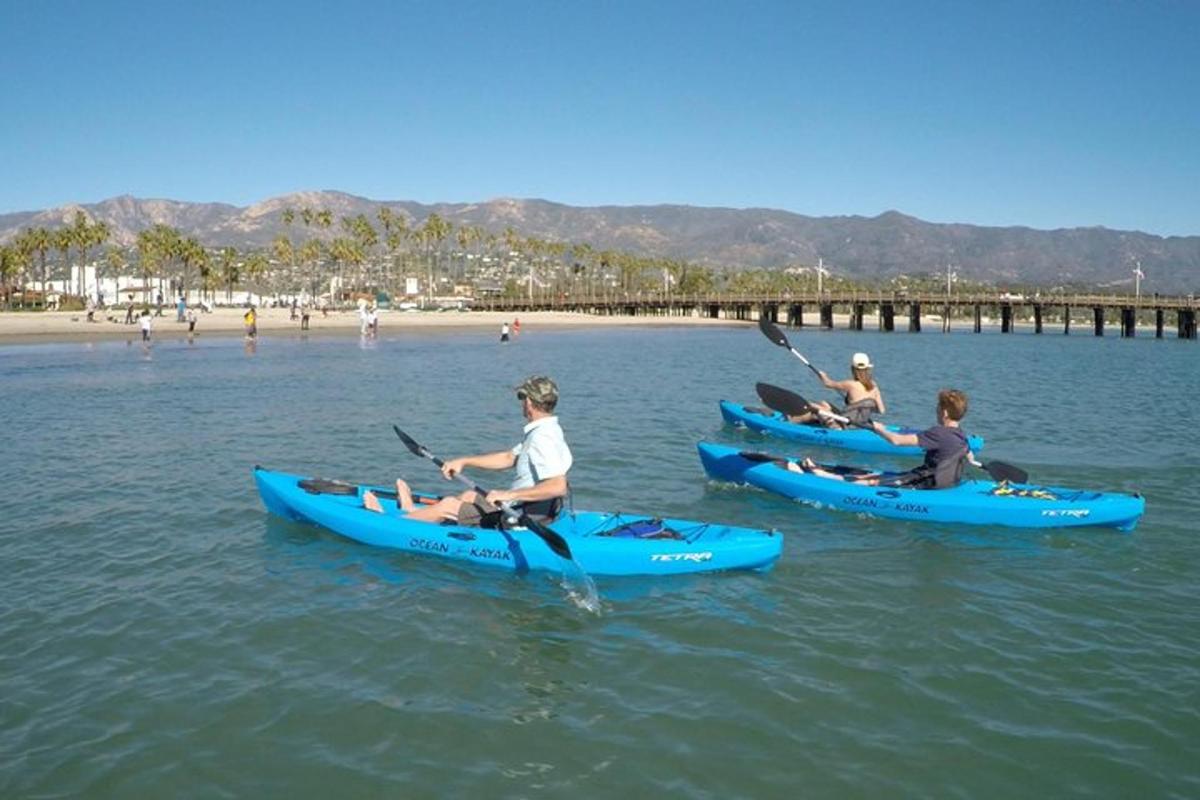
x,y
782,400
792,404
772,332
552,539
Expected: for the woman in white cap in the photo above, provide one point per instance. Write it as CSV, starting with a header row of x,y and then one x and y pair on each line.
x,y
861,393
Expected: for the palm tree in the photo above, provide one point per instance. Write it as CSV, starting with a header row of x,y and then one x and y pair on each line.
x,y
289,216
191,253
229,271
433,233
255,266
114,261
13,260
310,258
62,240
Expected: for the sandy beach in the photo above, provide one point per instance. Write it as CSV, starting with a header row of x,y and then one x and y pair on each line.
x,y
49,326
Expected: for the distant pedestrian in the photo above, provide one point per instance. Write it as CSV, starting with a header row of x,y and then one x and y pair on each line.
x,y
158,310
91,309
180,309
364,320
147,324
250,318
304,312
516,327
191,320
373,322
129,311
504,331
295,307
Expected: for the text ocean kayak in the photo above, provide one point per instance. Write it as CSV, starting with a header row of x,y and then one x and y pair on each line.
x,y
602,544
858,439
977,502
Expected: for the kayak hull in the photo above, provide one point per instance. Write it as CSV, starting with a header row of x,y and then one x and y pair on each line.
x,y
973,502
705,547
860,439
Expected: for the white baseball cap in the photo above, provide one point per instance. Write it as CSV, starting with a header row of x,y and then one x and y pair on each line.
x,y
860,361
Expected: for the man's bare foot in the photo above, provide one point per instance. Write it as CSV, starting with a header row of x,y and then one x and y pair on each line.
x,y
404,496
371,502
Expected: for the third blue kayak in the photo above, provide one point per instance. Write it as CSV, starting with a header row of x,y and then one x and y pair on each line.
x,y
860,439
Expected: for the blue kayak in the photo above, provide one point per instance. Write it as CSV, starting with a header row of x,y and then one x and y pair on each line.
x,y
602,544
977,502
860,439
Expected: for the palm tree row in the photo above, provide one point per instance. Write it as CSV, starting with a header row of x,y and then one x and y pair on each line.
x,y
364,256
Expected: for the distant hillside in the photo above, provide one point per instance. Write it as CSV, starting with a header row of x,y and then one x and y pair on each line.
x,y
882,246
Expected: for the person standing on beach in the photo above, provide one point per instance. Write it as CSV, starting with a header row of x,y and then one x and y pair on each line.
x,y
191,320
504,331
304,312
158,311
91,309
250,318
180,309
129,311
147,325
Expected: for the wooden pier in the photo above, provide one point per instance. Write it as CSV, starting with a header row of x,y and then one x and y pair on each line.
x,y
791,309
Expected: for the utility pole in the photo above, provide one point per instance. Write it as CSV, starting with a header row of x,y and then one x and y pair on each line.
x,y
950,278
821,273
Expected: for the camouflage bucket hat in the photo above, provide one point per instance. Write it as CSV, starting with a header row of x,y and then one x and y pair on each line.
x,y
539,389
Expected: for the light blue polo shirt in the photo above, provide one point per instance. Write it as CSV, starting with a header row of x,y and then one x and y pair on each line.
x,y
542,454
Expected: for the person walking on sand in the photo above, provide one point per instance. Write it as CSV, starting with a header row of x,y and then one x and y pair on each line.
x,y
304,313
191,320
250,318
504,331
129,311
147,324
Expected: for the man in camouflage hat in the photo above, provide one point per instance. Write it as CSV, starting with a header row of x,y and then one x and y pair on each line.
x,y
541,459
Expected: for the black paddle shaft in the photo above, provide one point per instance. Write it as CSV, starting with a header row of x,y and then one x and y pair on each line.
x,y
553,540
772,332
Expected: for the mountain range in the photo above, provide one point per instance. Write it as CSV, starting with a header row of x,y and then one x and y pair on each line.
x,y
883,246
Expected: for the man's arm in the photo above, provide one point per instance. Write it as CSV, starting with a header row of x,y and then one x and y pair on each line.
x,y
501,459
898,439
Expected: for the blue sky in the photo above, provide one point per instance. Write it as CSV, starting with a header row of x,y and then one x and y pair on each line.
x,y
1046,114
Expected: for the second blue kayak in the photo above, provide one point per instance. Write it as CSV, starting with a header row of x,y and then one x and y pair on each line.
x,y
860,439
973,502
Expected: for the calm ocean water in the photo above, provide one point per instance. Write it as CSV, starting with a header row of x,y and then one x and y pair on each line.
x,y
163,637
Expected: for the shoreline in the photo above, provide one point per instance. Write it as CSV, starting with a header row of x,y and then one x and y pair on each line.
x,y
47,327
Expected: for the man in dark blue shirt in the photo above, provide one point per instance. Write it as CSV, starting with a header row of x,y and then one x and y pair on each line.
x,y
945,447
